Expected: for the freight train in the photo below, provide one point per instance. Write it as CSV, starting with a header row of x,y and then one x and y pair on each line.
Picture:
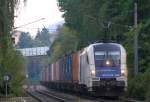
x,y
99,68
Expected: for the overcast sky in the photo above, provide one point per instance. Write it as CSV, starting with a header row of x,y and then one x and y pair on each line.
x,y
35,10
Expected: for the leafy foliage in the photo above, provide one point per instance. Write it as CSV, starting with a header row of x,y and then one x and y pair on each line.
x,y
92,17
43,37
10,60
139,86
25,41
65,43
12,63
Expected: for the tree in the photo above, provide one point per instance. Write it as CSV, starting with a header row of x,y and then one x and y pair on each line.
x,y
10,61
43,37
89,20
67,37
25,40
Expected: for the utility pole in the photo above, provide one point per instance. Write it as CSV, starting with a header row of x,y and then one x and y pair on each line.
x,y
135,40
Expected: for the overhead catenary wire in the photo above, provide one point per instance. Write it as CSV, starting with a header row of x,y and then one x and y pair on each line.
x,y
29,23
37,28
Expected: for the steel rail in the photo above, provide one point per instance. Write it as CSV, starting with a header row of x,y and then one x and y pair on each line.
x,y
129,100
34,96
53,96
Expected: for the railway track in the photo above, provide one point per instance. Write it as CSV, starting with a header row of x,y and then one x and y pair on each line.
x,y
54,96
43,96
46,97
62,97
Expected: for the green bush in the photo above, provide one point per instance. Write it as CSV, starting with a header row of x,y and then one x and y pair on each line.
x,y
148,95
135,88
148,83
138,87
12,63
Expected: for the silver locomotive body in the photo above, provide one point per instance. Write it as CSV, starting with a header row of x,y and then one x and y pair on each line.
x,y
102,68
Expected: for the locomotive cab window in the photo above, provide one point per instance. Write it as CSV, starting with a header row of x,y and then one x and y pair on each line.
x,y
115,56
100,55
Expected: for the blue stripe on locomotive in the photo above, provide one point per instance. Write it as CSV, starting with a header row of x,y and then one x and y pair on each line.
x,y
108,72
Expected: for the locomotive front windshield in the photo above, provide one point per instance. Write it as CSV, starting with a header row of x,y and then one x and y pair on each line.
x,y
107,54
102,56
115,57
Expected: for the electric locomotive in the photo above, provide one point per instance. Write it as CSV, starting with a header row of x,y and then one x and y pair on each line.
x,y
102,68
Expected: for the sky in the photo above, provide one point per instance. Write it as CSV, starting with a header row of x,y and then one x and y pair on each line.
x,y
34,10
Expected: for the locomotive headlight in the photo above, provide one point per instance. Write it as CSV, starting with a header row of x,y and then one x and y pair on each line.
x,y
93,72
107,62
124,72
